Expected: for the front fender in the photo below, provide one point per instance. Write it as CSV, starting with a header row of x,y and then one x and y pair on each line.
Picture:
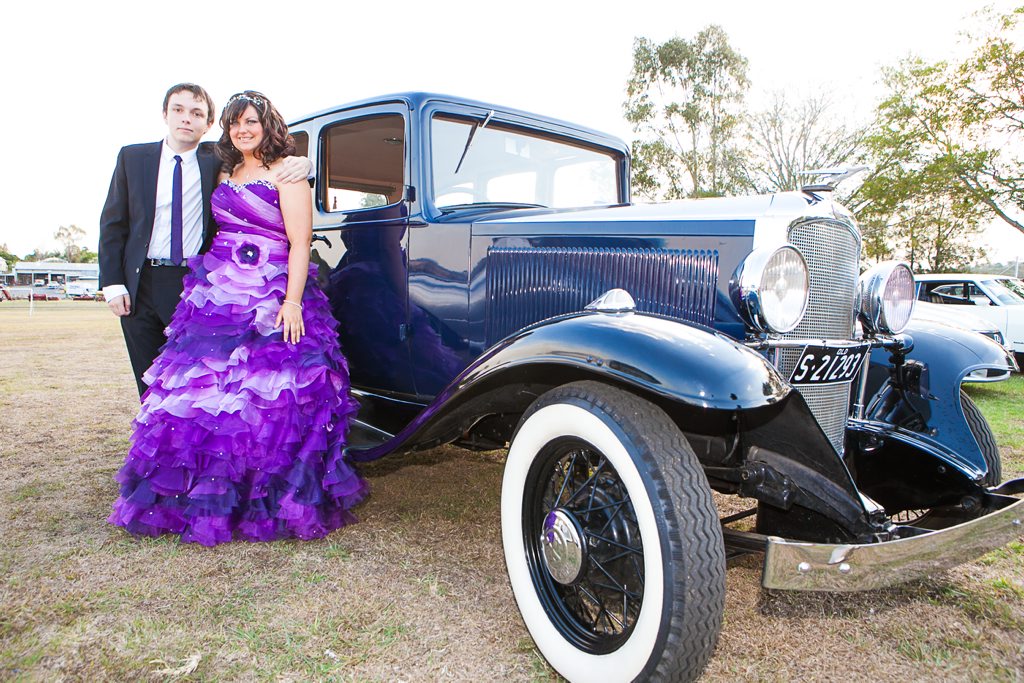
x,y
669,359
675,360
933,409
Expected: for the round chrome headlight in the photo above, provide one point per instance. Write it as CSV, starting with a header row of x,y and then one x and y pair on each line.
x,y
887,297
770,289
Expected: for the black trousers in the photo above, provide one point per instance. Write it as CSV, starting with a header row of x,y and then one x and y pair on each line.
x,y
159,293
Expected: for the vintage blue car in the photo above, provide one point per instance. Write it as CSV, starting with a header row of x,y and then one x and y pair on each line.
x,y
497,287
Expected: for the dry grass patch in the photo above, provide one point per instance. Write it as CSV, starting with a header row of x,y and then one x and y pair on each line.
x,y
416,591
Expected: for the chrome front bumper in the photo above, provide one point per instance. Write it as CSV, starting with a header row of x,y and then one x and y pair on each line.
x,y
792,565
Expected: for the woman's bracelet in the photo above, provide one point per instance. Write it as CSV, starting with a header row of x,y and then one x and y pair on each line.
x,y
293,304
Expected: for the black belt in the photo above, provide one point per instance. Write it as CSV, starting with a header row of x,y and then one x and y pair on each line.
x,y
165,262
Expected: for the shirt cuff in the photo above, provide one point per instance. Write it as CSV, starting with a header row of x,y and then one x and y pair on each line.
x,y
111,292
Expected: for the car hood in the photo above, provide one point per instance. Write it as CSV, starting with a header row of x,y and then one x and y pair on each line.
x,y
735,216
958,318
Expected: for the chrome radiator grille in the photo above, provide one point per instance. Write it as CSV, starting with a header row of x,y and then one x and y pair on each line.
x,y
832,251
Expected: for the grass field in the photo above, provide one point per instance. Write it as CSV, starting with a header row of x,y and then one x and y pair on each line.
x,y
416,591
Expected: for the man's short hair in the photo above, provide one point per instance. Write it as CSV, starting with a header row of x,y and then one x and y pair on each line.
x,y
197,91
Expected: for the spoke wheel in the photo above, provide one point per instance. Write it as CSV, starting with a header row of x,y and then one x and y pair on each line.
x,y
612,540
583,543
908,517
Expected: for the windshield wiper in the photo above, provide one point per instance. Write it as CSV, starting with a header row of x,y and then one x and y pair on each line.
x,y
469,140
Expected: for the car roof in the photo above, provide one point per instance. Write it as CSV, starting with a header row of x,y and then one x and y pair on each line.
x,y
417,99
964,277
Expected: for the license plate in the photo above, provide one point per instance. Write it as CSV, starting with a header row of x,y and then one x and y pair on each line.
x,y
828,364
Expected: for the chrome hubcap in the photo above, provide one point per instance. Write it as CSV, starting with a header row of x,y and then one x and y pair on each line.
x,y
563,547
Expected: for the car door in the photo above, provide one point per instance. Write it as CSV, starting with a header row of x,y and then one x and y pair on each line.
x,y
360,239
976,301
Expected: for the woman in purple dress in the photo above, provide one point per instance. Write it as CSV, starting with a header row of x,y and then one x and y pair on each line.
x,y
241,431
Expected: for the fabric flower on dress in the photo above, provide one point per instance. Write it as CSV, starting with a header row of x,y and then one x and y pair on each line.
x,y
240,263
249,256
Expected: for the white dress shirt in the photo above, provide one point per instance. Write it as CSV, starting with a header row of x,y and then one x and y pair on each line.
x,y
191,211
191,205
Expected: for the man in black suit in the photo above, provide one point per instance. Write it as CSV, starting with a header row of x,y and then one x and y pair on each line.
x,y
157,215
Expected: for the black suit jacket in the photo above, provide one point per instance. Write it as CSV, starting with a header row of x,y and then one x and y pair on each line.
x,y
126,223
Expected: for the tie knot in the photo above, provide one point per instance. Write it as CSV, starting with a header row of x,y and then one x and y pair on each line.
x,y
177,158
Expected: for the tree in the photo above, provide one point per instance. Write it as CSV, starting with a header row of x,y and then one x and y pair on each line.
x,y
6,255
969,115
39,254
990,90
787,138
912,204
69,237
685,100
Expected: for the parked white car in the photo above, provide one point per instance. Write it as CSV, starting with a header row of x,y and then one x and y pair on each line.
x,y
82,288
959,318
996,298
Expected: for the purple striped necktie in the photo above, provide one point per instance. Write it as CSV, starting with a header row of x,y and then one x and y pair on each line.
x,y
177,253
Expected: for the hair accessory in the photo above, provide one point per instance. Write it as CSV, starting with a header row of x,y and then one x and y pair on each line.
x,y
293,304
258,101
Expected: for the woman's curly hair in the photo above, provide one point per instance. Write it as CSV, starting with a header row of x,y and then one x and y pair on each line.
x,y
276,143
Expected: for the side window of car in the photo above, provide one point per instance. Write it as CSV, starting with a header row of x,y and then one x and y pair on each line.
x,y
977,296
301,143
949,294
364,163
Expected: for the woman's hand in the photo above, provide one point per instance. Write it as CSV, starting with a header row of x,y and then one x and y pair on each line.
x,y
291,316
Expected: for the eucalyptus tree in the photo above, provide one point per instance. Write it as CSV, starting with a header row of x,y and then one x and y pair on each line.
x,y
965,118
791,135
69,236
685,101
913,204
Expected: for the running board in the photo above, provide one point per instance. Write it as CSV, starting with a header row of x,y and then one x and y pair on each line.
x,y
362,436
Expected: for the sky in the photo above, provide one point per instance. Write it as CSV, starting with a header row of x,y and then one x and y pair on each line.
x,y
83,79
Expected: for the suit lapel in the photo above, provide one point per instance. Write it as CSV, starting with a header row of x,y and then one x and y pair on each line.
x,y
209,168
150,169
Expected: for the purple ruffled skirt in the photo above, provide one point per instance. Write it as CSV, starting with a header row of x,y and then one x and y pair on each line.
x,y
240,434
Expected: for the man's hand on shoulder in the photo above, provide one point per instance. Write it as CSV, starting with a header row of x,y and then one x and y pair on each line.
x,y
294,170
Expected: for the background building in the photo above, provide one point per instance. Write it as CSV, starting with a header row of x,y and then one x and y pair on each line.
x,y
50,271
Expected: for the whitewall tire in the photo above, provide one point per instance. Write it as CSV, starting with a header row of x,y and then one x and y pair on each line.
x,y
612,541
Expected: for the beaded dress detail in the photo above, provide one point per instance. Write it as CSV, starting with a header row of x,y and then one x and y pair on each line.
x,y
240,434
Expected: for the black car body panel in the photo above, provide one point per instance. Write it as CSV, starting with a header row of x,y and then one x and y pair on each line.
x,y
459,243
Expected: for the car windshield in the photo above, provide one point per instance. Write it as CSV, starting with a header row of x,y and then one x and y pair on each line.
x,y
1006,292
1015,285
504,165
